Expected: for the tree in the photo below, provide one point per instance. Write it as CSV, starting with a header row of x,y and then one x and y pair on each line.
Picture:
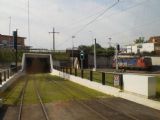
x,y
140,40
99,50
110,51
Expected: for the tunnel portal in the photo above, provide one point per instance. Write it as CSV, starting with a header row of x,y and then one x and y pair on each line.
x,y
36,63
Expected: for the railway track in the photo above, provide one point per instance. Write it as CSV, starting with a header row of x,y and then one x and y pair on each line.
x,y
40,101
98,101
21,100
68,93
42,106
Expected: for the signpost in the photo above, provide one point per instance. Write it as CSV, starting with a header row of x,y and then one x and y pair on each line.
x,y
116,80
81,58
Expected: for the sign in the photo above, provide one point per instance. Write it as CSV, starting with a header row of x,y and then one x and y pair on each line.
x,y
82,55
116,80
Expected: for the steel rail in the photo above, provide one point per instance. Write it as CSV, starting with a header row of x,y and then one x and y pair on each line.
x,y
97,100
81,103
22,99
41,102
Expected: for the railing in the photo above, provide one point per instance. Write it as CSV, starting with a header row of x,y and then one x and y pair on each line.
x,y
7,73
113,79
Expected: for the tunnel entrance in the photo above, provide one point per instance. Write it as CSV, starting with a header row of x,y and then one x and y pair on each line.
x,y
36,63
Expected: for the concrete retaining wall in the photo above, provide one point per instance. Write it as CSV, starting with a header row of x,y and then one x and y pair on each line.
x,y
10,81
155,61
35,55
142,85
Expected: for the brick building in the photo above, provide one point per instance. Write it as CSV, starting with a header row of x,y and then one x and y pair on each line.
x,y
154,39
7,41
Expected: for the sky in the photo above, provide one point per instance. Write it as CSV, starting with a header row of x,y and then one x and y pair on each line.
x,y
125,22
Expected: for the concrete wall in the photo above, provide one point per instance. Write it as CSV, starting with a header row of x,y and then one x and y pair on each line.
x,y
138,84
10,81
145,47
35,55
102,61
155,61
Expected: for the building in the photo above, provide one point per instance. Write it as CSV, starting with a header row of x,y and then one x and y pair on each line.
x,y
7,41
152,45
142,47
154,39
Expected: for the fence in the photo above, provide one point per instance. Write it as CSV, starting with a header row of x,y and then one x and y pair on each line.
x,y
105,78
7,73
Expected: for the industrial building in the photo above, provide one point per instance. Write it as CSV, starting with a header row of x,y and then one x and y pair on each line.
x,y
152,45
6,41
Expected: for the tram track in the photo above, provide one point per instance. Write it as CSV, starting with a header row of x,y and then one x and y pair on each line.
x,y
40,101
22,100
66,91
99,101
39,98
69,94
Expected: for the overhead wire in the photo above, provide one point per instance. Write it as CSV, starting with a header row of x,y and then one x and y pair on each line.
x,y
97,16
141,3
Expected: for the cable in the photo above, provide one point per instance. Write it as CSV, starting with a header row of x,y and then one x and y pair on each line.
x,y
107,9
124,10
96,18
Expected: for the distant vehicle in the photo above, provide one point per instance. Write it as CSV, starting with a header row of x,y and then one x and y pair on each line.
x,y
131,62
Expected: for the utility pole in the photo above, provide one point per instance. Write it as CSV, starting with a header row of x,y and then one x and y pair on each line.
x,y
72,51
15,35
53,38
9,32
117,56
95,62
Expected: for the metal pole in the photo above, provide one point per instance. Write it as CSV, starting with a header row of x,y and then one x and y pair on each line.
x,y
72,51
81,64
53,40
9,32
95,63
116,58
53,32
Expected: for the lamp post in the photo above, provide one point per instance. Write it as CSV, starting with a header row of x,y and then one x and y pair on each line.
x,y
95,60
72,50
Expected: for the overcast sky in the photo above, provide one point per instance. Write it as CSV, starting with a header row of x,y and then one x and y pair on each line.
x,y
123,23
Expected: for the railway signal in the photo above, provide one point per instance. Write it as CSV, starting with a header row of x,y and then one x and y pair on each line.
x,y
81,58
15,45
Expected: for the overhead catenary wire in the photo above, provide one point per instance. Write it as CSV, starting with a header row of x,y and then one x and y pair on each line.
x,y
92,21
98,16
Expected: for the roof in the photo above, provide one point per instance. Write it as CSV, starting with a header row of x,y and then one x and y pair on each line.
x,y
12,36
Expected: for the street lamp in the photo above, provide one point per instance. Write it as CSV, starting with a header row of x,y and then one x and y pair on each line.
x,y
72,50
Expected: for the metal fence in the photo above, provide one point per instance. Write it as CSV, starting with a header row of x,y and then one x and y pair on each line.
x,y
7,73
113,79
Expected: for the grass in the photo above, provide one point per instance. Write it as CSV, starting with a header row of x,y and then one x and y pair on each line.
x,y
11,95
97,77
52,89
158,86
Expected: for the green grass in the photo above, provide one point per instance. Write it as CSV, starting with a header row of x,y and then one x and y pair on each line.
x,y
52,89
11,95
97,76
158,87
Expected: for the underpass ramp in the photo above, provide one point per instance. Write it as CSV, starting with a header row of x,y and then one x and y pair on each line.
x,y
37,63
